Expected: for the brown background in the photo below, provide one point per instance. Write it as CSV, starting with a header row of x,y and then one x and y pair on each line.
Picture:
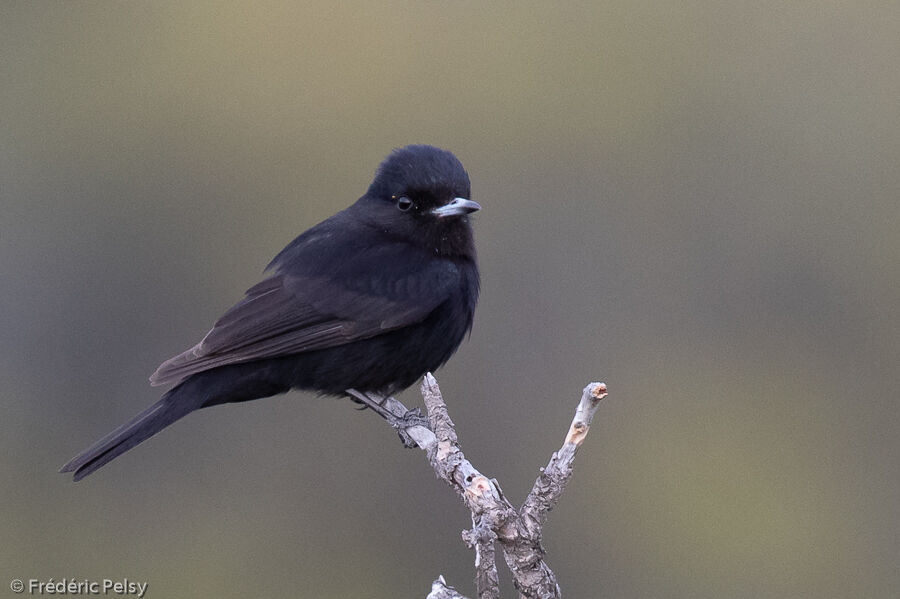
x,y
695,202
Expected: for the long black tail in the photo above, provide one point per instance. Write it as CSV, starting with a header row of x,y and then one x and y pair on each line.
x,y
226,384
175,404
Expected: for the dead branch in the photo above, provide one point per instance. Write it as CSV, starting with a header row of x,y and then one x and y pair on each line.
x,y
494,519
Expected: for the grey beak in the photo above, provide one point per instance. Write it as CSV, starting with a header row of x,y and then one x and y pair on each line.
x,y
456,207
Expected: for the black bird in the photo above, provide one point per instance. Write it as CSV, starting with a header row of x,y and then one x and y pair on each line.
x,y
367,300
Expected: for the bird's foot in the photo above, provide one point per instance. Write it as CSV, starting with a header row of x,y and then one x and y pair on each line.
x,y
401,422
367,400
410,419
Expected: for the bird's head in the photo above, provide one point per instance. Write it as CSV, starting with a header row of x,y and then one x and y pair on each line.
x,y
421,193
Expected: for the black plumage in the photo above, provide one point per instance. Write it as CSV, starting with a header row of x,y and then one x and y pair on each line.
x,y
369,299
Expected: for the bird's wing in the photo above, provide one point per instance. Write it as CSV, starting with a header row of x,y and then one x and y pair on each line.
x,y
333,302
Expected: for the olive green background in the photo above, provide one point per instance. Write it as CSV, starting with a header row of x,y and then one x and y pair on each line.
x,y
696,202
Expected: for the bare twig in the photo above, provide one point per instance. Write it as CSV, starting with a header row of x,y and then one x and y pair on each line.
x,y
551,483
482,539
545,494
494,519
441,590
482,496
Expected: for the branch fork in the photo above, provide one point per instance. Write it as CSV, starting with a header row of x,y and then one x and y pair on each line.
x,y
494,519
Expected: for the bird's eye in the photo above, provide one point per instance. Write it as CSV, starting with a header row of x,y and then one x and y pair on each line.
x,y
404,204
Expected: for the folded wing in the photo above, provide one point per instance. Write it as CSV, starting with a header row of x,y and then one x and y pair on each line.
x,y
295,312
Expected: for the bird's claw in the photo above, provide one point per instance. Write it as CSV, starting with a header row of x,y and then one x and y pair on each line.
x,y
401,423
411,418
408,442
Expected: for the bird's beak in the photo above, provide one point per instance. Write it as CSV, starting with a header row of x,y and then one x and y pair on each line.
x,y
456,207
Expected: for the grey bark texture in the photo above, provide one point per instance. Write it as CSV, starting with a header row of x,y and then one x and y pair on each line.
x,y
494,519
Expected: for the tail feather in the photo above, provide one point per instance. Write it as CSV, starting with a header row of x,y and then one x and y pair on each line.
x,y
171,407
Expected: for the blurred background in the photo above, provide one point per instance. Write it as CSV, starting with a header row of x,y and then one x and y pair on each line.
x,y
696,203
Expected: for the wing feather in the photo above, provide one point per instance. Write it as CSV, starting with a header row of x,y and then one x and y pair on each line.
x,y
295,312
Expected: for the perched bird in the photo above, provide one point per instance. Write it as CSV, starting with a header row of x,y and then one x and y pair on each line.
x,y
367,300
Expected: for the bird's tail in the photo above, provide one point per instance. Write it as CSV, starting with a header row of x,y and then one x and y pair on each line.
x,y
175,404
